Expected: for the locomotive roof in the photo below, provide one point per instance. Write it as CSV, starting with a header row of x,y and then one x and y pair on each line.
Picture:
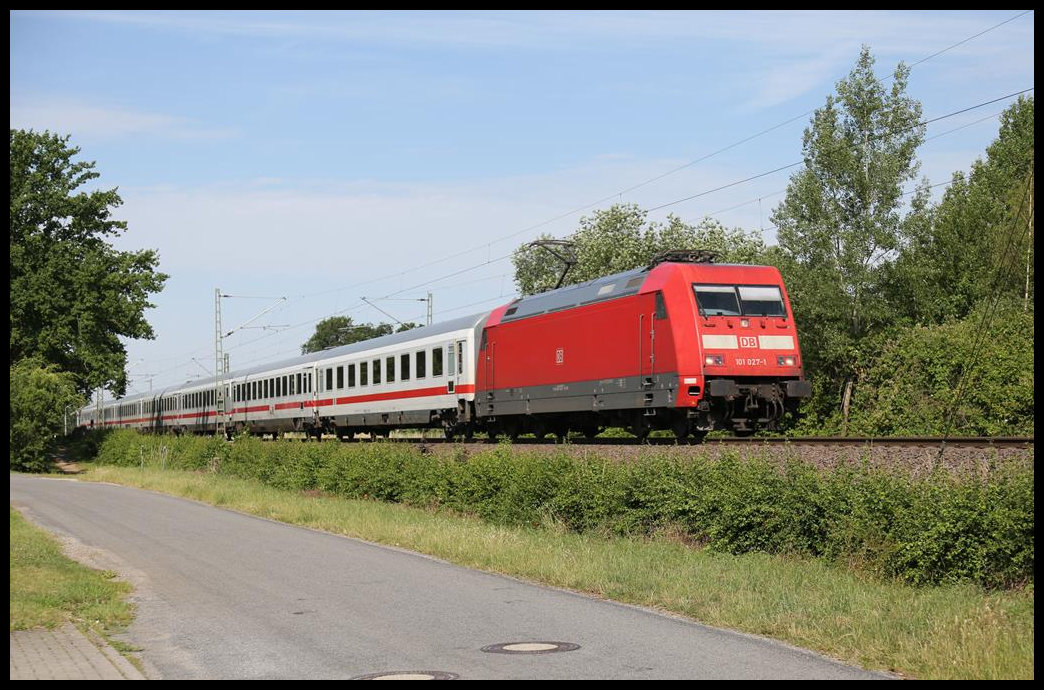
x,y
597,290
361,346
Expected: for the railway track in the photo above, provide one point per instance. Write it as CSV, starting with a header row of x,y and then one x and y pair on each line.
x,y
821,441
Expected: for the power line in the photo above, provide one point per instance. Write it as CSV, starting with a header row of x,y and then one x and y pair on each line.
x,y
677,201
668,173
801,162
624,191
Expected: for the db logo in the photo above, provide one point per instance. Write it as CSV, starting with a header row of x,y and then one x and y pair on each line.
x,y
748,341
560,355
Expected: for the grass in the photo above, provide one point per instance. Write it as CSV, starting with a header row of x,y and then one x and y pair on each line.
x,y
951,632
48,589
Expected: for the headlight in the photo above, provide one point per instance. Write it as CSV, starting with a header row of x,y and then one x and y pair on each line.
x,y
714,360
786,361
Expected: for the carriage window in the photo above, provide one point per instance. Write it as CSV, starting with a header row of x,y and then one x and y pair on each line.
x,y
329,379
420,357
363,368
376,371
285,387
351,376
340,377
264,389
389,369
299,383
451,358
404,367
291,384
436,362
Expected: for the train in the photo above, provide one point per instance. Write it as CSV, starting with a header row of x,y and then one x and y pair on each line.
x,y
683,344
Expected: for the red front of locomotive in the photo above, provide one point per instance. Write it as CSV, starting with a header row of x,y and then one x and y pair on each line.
x,y
739,362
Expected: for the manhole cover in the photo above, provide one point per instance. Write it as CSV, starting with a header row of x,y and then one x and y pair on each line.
x,y
530,647
408,675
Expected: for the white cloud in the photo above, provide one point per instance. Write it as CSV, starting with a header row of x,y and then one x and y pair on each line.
x,y
90,121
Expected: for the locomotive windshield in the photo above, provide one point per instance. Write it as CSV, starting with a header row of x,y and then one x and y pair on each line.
x,y
739,300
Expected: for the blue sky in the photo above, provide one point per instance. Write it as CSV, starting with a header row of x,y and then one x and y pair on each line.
x,y
327,156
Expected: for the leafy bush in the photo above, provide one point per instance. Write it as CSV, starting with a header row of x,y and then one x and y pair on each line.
x,y
942,527
969,377
41,396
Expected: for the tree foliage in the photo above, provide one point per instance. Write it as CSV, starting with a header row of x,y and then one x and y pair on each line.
x,y
979,243
620,238
339,330
843,221
41,396
72,295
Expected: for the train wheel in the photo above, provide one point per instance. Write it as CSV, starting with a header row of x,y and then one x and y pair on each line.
x,y
640,428
681,428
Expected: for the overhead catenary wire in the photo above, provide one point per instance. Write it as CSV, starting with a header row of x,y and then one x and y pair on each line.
x,y
677,201
656,178
488,244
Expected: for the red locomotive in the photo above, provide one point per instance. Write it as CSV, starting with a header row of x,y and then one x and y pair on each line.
x,y
683,344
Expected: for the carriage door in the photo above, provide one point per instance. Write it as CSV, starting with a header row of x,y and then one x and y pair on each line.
x,y
461,375
311,396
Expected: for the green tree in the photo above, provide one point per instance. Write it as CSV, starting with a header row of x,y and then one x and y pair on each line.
x,y
843,222
41,397
339,330
620,238
979,242
72,295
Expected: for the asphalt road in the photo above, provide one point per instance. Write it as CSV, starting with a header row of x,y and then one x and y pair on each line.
x,y
222,595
